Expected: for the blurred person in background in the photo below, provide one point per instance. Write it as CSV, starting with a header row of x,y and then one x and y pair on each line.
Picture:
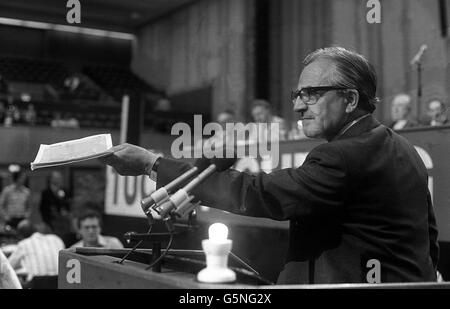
x,y
401,112
55,208
56,121
70,122
15,198
262,114
8,278
437,111
37,253
12,115
29,115
89,228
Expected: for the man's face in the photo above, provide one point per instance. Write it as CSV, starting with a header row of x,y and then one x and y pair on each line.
x,y
260,114
327,116
90,230
400,110
435,110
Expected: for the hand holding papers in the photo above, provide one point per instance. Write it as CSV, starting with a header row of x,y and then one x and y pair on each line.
x,y
68,152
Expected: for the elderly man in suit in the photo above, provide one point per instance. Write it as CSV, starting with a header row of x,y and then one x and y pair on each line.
x,y
401,113
357,203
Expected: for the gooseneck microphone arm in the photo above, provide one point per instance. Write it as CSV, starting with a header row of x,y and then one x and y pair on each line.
x,y
200,178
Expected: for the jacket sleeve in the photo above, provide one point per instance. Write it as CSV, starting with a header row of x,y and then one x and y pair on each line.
x,y
314,189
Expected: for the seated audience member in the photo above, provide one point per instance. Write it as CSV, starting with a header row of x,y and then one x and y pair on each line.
x,y
15,198
438,113
401,113
262,114
56,121
89,225
12,115
55,206
37,252
30,115
70,122
66,121
8,278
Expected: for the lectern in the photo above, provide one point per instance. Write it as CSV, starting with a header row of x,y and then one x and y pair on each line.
x,y
93,268
97,268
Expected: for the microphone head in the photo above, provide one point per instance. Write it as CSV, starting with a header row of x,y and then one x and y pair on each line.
x,y
146,203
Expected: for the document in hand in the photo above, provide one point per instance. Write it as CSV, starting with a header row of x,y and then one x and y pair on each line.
x,y
68,152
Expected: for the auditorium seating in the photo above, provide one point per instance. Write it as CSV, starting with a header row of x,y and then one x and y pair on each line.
x,y
95,101
32,70
118,81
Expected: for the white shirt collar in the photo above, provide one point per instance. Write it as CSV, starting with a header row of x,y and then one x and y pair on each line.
x,y
349,125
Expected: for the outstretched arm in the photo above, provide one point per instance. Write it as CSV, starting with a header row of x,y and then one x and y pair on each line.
x,y
314,189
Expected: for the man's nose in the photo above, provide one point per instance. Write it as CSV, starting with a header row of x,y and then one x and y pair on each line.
x,y
299,106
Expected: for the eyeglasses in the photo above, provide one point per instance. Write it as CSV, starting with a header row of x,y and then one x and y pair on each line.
x,y
310,95
90,227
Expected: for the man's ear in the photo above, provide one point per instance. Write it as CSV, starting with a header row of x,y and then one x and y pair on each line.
x,y
352,98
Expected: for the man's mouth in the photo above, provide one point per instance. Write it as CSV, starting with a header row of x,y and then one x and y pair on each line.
x,y
306,118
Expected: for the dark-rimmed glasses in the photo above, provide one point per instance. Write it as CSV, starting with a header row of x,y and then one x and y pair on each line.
x,y
310,95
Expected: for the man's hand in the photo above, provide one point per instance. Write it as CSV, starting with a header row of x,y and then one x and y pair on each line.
x,y
130,160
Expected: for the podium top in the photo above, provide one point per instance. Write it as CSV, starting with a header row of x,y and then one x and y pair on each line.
x,y
97,268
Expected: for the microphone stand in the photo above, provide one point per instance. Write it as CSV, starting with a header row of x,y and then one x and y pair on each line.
x,y
158,238
419,87
418,61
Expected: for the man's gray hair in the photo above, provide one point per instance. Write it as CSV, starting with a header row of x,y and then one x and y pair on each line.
x,y
352,71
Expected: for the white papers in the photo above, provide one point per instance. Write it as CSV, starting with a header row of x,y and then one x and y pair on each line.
x,y
87,148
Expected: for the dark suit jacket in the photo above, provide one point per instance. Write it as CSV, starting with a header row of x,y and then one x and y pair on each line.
x,y
363,196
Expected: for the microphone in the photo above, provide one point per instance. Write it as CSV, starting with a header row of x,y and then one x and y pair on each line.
x,y
162,193
418,56
180,201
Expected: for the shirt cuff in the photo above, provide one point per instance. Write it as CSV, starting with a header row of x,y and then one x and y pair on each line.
x,y
151,170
